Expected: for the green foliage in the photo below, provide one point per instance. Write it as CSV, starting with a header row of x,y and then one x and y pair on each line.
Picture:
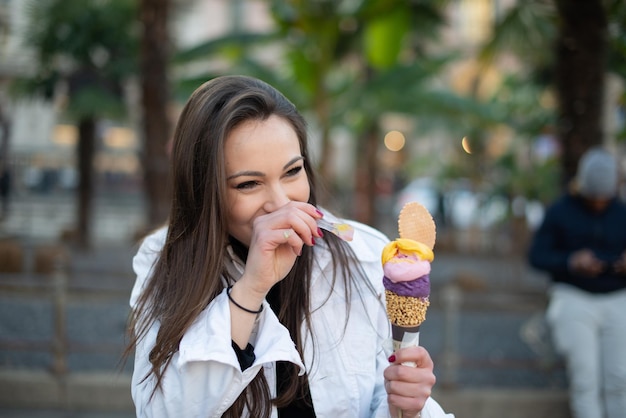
x,y
349,63
93,100
329,48
239,41
93,45
429,106
41,84
384,36
617,48
527,30
520,104
100,34
616,9
537,181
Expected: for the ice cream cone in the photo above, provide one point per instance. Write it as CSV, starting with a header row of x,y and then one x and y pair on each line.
x,y
407,295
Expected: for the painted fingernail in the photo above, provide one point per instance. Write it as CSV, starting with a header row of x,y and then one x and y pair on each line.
x,y
392,358
319,212
312,241
320,233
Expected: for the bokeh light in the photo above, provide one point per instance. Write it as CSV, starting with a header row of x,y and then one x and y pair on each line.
x,y
65,135
120,138
394,141
466,145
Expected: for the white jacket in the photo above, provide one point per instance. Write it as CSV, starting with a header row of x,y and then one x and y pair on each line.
x,y
345,366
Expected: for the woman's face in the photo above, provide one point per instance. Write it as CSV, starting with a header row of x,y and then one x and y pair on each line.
x,y
264,171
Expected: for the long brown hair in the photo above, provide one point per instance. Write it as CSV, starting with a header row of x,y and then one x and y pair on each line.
x,y
189,272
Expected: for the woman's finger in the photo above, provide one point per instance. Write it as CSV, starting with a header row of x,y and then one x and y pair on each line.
x,y
300,217
293,240
418,355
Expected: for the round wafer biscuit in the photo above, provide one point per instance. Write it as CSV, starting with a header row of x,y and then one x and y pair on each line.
x,y
416,223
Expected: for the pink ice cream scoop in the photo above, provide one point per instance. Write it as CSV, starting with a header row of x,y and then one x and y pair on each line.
x,y
407,276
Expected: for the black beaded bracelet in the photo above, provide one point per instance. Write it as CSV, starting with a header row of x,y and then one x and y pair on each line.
x,y
239,306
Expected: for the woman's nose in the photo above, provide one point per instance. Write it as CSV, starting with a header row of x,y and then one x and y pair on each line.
x,y
277,197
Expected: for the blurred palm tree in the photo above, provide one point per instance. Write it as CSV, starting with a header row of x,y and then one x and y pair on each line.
x,y
89,47
155,98
347,64
585,40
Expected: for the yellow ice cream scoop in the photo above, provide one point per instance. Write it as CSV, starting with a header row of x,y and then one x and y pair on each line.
x,y
407,247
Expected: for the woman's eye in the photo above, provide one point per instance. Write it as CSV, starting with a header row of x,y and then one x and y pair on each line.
x,y
294,171
246,185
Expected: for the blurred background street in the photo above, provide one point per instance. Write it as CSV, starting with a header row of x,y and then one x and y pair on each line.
x,y
478,109
484,328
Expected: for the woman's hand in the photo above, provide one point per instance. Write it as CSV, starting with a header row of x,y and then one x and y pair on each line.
x,y
408,388
277,240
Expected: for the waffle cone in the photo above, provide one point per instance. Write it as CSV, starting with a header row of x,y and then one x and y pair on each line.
x,y
416,223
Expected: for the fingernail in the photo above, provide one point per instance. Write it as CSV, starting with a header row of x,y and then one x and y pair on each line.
x,y
319,212
392,358
320,233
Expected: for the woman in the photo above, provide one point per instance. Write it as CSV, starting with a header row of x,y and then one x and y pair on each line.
x,y
242,305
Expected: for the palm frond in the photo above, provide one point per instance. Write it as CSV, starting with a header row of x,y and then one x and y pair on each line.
x,y
526,30
214,46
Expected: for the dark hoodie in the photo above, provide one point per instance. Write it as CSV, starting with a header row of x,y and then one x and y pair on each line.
x,y
568,226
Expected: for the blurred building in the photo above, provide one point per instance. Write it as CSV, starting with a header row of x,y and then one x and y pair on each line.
x,y
34,158
42,144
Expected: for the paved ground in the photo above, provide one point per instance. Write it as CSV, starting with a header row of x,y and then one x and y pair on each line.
x,y
484,329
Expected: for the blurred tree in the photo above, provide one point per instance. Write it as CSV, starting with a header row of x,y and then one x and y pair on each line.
x,y
5,173
530,166
155,96
348,63
355,61
580,67
587,38
90,48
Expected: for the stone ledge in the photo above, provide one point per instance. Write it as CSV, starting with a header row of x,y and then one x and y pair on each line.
x,y
509,403
111,392
78,391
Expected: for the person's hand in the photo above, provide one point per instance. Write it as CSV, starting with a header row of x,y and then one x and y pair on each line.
x,y
619,266
408,388
277,240
586,263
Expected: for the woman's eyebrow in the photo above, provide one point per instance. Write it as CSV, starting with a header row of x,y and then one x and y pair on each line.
x,y
260,174
245,173
293,161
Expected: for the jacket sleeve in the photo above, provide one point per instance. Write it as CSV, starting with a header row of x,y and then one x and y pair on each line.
x,y
201,380
204,377
433,410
